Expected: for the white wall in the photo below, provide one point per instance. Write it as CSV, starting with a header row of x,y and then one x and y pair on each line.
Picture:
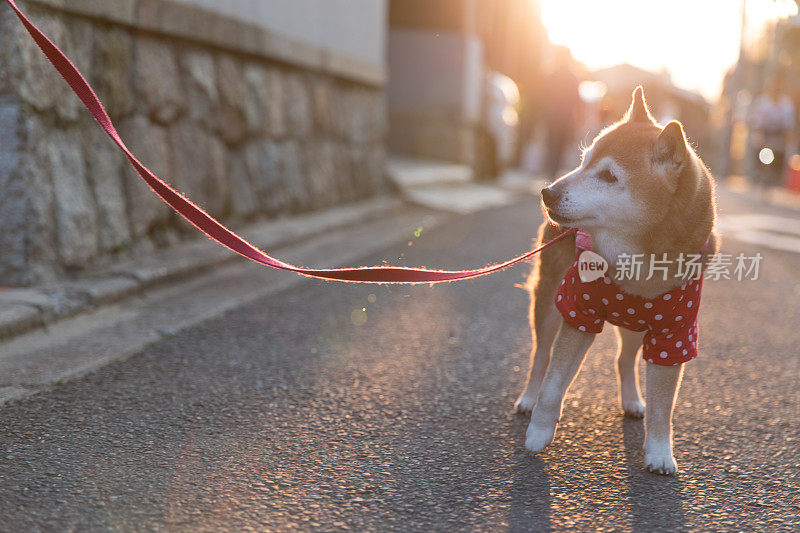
x,y
355,28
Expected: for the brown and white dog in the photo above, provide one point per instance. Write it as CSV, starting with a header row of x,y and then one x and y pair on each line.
x,y
640,189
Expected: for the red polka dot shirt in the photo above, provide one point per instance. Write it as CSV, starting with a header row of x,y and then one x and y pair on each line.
x,y
669,319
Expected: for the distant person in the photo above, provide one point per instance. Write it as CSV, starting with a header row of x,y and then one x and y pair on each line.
x,y
771,121
561,106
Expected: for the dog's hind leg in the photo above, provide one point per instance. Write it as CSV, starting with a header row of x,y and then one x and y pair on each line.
x,y
662,388
569,352
630,342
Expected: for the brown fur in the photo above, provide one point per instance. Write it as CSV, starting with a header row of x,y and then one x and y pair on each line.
x,y
680,222
664,205
679,192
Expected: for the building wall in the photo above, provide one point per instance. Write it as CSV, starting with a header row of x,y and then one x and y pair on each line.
x,y
434,93
246,122
436,77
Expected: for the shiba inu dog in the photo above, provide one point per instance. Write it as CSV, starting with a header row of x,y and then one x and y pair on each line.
x,y
640,191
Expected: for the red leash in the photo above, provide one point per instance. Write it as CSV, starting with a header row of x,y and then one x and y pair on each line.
x,y
205,223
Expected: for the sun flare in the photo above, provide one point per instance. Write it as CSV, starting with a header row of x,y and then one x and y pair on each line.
x,y
695,40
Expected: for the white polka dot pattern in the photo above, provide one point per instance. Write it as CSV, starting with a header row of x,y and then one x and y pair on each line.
x,y
669,320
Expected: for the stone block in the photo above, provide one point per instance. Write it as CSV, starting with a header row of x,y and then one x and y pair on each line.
x,y
356,115
75,216
244,202
265,102
150,143
115,58
359,114
265,168
200,168
233,96
38,77
321,169
78,44
359,164
255,101
217,176
104,168
41,250
344,172
11,64
338,112
40,85
274,95
378,117
370,126
298,106
376,163
322,102
14,198
293,176
158,78
200,82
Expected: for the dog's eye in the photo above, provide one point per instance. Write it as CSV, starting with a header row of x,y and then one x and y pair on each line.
x,y
607,176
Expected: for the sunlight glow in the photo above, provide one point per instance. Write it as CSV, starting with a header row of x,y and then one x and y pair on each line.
x,y
695,40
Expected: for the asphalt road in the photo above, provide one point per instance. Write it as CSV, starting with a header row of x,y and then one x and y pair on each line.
x,y
333,406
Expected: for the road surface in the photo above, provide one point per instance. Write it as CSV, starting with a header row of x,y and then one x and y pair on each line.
x,y
332,406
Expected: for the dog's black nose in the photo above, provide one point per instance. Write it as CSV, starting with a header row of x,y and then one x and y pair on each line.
x,y
550,197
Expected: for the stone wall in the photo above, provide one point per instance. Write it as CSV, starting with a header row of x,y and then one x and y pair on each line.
x,y
243,134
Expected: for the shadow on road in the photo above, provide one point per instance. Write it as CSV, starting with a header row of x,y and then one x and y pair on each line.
x,y
531,503
656,501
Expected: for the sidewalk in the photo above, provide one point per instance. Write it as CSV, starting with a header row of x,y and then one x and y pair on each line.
x,y
779,197
198,284
65,330
452,187
434,185
25,309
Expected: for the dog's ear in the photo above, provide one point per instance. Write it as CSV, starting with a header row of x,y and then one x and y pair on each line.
x,y
670,151
638,111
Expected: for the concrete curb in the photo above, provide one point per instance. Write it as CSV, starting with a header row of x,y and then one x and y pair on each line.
x,y
96,336
23,310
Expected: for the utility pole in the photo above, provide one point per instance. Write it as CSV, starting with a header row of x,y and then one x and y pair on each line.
x,y
735,87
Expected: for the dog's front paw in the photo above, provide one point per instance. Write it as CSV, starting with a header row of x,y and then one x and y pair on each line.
x,y
659,460
525,403
538,437
634,408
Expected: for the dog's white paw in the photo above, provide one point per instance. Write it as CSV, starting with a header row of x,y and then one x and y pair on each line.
x,y
633,409
525,403
659,460
537,438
